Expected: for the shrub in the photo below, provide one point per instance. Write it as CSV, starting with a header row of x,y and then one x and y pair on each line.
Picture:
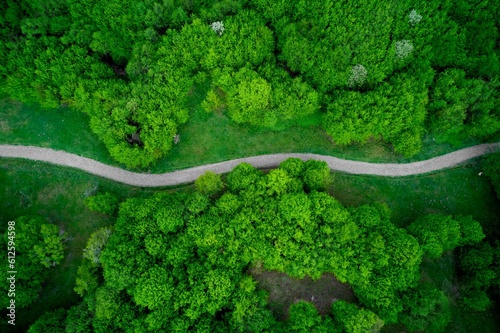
x,y
209,183
104,203
317,175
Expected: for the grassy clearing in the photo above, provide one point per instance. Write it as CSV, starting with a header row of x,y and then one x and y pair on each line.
x,y
205,138
285,291
61,129
57,194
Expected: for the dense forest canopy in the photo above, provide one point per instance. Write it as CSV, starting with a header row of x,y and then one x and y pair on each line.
x,y
183,262
385,69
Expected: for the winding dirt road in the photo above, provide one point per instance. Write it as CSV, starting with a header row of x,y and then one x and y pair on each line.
x,y
264,161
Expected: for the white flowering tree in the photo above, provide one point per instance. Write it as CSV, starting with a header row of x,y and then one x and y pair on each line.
x,y
403,49
218,27
414,17
358,76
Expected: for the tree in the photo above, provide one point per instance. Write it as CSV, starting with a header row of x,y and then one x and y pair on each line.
x,y
277,182
38,247
293,166
471,231
354,319
96,243
51,251
87,279
242,176
481,265
50,322
249,99
394,110
316,175
209,183
436,233
425,308
79,319
477,300
303,317
462,107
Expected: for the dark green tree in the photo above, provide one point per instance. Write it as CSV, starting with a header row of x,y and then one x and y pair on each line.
x,y
425,308
50,322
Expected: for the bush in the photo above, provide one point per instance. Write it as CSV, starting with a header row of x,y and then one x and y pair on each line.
x,y
209,183
293,166
477,300
354,319
317,175
104,203
242,177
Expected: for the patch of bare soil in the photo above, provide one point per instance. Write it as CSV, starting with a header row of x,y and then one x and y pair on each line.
x,y
285,291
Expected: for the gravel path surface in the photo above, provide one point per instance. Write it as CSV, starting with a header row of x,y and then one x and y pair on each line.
x,y
263,161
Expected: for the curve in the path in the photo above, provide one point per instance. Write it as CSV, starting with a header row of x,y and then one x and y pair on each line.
x,y
263,161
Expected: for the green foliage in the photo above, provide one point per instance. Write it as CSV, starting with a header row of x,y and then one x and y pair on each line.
x,y
50,322
303,317
477,20
481,265
96,244
277,182
249,98
185,256
213,102
316,175
369,64
354,319
87,278
79,319
293,166
471,231
395,110
51,251
306,42
437,234
242,176
38,247
425,308
477,300
462,107
105,203
209,183
197,203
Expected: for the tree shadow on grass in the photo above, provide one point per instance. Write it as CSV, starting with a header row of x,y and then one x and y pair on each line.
x,y
285,291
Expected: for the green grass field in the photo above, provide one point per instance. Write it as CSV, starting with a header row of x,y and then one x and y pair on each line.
x,y
205,138
57,193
